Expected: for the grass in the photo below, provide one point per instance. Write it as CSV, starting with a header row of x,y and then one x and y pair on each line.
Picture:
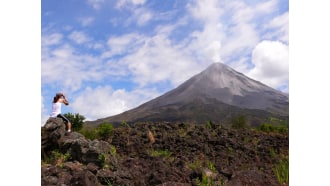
x,y
281,170
57,158
211,166
163,153
113,150
102,159
195,165
272,153
271,128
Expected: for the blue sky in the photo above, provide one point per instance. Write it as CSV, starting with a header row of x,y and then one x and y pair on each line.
x,y
111,56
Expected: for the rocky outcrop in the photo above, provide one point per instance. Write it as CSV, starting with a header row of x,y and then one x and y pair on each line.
x,y
84,156
51,133
159,154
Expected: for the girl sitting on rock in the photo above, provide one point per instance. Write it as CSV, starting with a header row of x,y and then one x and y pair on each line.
x,y
56,109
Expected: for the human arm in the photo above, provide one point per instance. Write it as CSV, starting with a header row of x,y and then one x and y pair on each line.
x,y
64,100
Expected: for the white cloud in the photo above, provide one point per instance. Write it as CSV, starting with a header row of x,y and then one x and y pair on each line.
x,y
217,40
127,3
63,68
242,35
96,4
86,21
241,65
138,2
140,16
271,63
79,37
152,59
205,10
104,101
44,112
207,42
266,7
281,24
51,39
213,50
158,60
143,16
240,12
123,44
243,38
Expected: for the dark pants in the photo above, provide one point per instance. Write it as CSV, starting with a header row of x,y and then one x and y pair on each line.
x,y
66,120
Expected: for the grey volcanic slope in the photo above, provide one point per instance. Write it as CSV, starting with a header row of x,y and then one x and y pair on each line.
x,y
216,93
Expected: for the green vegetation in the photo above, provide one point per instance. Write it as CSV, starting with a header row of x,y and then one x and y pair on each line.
x,y
195,165
108,182
113,150
206,181
163,153
124,124
271,128
103,131
207,178
279,122
281,170
211,166
272,153
89,133
239,122
76,120
101,157
209,124
57,158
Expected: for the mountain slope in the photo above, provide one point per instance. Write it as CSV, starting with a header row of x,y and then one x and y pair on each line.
x,y
218,93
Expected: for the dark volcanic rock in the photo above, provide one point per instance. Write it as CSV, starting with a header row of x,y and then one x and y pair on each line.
x,y
51,133
181,154
81,151
251,177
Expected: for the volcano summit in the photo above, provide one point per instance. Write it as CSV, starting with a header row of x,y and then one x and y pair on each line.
x,y
217,94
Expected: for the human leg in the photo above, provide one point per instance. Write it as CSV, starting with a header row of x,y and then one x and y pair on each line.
x,y
66,121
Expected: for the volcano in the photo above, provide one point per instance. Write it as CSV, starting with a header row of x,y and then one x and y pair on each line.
x,y
217,94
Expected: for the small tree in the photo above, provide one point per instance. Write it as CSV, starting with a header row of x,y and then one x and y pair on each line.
x,y
77,120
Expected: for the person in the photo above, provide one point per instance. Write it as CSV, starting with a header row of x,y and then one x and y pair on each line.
x,y
56,109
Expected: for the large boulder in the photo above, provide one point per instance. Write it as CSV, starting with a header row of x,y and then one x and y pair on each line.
x,y
72,173
51,133
84,150
54,137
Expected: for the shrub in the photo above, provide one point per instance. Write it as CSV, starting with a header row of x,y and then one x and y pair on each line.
x,y
76,120
104,130
90,133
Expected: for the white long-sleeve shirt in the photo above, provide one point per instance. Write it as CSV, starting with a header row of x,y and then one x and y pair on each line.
x,y
56,109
